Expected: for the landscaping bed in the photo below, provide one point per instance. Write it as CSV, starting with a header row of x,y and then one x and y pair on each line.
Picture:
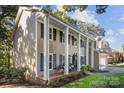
x,y
66,79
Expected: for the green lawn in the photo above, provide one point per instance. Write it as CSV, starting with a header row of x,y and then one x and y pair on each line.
x,y
117,65
97,81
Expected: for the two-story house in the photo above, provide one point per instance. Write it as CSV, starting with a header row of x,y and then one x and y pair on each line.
x,y
44,44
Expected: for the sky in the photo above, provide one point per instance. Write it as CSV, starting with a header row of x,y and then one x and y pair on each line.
x,y
112,21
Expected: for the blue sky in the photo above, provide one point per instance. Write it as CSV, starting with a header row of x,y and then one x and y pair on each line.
x,y
112,21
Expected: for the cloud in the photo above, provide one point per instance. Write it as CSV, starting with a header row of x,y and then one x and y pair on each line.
x,y
109,32
85,16
111,40
121,31
122,18
60,7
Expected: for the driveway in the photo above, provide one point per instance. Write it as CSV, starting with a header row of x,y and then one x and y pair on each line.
x,y
111,70
115,70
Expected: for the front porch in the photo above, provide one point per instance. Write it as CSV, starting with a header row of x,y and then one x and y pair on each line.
x,y
75,53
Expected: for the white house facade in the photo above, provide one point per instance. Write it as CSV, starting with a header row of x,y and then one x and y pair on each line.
x,y
45,44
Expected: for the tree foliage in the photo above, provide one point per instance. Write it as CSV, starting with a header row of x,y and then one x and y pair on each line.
x,y
105,44
7,16
72,8
122,47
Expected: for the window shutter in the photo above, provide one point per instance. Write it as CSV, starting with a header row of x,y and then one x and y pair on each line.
x,y
81,60
60,59
41,62
54,34
85,60
54,61
42,30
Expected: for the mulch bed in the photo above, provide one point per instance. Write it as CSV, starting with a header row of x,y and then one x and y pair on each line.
x,y
19,85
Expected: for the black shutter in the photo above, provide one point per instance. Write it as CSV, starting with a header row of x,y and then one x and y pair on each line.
x,y
81,60
54,34
60,59
41,62
42,30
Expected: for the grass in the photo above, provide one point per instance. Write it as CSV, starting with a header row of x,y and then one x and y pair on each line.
x,y
101,81
117,65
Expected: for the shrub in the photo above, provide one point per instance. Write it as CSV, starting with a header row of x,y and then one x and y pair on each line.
x,y
66,79
87,68
84,69
12,75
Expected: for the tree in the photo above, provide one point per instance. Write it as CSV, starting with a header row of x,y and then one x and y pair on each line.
x,y
71,8
7,16
95,31
104,45
122,47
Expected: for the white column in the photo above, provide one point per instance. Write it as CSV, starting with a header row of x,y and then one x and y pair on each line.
x,y
87,52
78,59
37,68
46,48
92,54
66,68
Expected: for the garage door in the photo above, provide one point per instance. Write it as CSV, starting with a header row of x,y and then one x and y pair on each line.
x,y
103,63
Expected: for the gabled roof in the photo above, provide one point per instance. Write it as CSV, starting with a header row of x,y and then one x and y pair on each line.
x,y
30,8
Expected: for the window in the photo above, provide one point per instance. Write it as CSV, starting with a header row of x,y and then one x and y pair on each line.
x,y
50,62
61,59
54,34
61,36
42,30
50,33
73,40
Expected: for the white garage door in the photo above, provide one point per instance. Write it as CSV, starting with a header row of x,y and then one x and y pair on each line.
x,y
103,63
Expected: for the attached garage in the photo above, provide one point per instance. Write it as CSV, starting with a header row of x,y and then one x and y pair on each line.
x,y
103,61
